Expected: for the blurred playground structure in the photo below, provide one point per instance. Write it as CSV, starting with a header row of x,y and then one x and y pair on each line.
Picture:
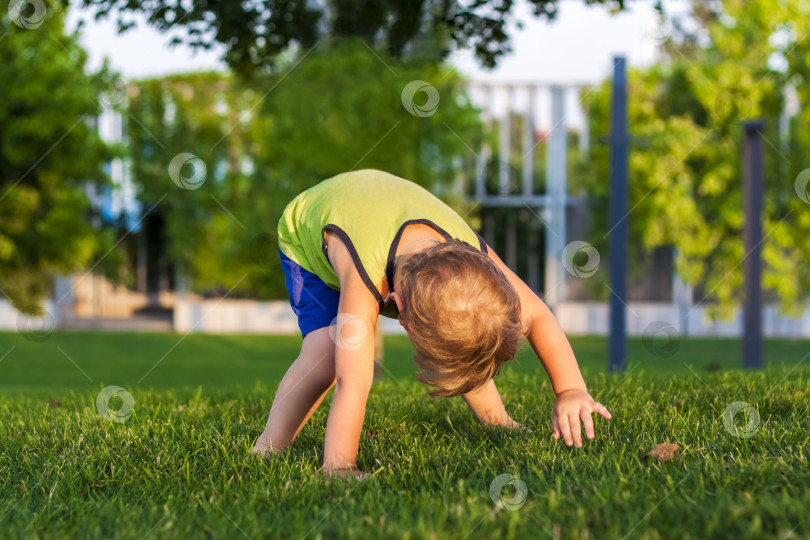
x,y
528,218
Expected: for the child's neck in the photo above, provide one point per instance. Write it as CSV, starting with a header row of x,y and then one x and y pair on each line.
x,y
410,244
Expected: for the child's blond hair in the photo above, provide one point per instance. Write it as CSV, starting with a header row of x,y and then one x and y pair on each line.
x,y
462,315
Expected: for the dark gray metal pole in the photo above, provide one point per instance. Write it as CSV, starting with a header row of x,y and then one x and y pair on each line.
x,y
753,186
619,140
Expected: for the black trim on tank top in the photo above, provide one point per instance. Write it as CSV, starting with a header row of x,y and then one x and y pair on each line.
x,y
483,243
358,264
392,252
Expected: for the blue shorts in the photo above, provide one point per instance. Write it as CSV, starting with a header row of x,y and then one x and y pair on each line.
x,y
312,300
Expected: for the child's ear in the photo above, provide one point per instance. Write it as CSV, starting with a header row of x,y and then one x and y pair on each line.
x,y
396,296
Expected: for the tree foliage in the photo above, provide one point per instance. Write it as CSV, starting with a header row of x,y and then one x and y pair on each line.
x,y
686,118
256,32
49,151
265,141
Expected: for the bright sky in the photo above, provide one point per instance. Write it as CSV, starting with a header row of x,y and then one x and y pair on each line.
x,y
577,46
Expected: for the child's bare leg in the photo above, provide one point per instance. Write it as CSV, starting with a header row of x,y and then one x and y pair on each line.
x,y
302,389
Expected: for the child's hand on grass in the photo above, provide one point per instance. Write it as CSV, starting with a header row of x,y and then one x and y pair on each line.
x,y
265,448
572,411
349,473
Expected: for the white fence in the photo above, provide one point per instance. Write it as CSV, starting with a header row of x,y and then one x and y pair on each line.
x,y
583,318
576,318
244,317
11,319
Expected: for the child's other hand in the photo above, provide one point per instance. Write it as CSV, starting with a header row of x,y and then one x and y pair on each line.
x,y
571,407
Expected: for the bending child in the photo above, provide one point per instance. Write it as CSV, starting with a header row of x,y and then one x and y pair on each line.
x,y
366,243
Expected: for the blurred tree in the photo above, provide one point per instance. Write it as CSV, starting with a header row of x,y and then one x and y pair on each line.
x,y
255,32
686,117
265,141
185,117
49,152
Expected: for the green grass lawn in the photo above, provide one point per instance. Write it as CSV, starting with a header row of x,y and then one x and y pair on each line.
x,y
180,466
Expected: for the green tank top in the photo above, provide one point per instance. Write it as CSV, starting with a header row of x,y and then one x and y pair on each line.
x,y
368,210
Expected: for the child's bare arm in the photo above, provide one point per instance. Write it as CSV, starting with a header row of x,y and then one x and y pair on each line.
x,y
574,406
354,362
